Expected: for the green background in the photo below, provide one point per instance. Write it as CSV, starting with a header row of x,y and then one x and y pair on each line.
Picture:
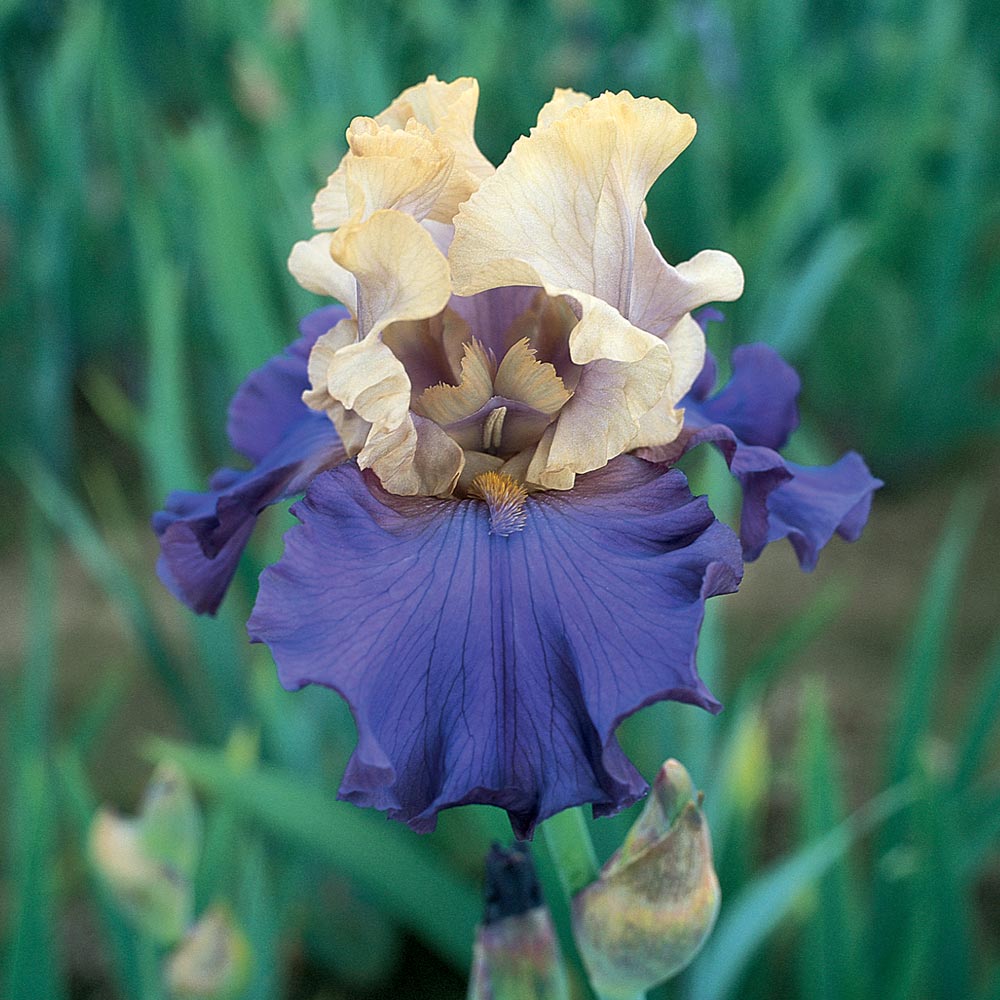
x,y
158,160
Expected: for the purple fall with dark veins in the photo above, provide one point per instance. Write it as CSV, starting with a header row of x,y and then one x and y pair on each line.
x,y
486,667
492,669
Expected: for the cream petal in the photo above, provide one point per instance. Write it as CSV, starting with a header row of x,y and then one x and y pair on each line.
x,y
523,377
659,426
565,206
400,273
540,472
603,333
449,111
441,232
321,357
604,416
564,211
352,428
425,158
417,457
315,270
563,100
662,424
662,294
369,379
392,168
686,344
405,169
330,207
447,404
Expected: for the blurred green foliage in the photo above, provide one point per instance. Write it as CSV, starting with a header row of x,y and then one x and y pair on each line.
x,y
158,160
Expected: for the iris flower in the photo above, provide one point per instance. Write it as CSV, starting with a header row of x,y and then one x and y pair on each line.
x,y
497,560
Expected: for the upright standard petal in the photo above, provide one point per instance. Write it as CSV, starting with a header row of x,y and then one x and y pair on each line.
x,y
315,270
401,277
564,212
495,667
421,144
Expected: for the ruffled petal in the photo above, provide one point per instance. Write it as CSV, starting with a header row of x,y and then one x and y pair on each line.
x,y
819,501
751,417
400,273
489,668
356,378
759,402
402,169
564,212
449,111
315,270
202,535
418,156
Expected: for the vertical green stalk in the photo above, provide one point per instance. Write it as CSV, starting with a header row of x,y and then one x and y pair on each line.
x,y
572,851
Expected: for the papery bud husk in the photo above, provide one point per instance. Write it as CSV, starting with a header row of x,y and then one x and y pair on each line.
x,y
212,962
657,898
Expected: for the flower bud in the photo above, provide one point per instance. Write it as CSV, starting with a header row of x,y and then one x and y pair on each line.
x,y
148,862
656,900
212,962
516,953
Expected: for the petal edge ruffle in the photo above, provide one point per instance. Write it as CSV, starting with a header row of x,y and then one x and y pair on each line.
x,y
495,669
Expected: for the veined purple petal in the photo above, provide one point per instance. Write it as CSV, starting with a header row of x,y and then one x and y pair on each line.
x,y
270,399
203,534
748,420
491,313
495,669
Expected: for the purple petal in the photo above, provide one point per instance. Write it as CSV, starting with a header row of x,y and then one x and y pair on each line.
x,y
203,534
705,382
748,419
491,669
270,399
758,403
491,313
818,501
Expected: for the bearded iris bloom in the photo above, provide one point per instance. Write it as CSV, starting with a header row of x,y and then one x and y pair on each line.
x,y
497,560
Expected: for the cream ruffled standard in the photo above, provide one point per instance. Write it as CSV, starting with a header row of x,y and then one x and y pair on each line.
x,y
423,239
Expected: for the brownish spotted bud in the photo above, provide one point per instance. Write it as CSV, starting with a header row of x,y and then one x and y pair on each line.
x,y
516,955
656,900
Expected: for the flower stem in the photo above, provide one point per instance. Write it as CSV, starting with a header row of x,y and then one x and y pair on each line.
x,y
569,844
572,851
